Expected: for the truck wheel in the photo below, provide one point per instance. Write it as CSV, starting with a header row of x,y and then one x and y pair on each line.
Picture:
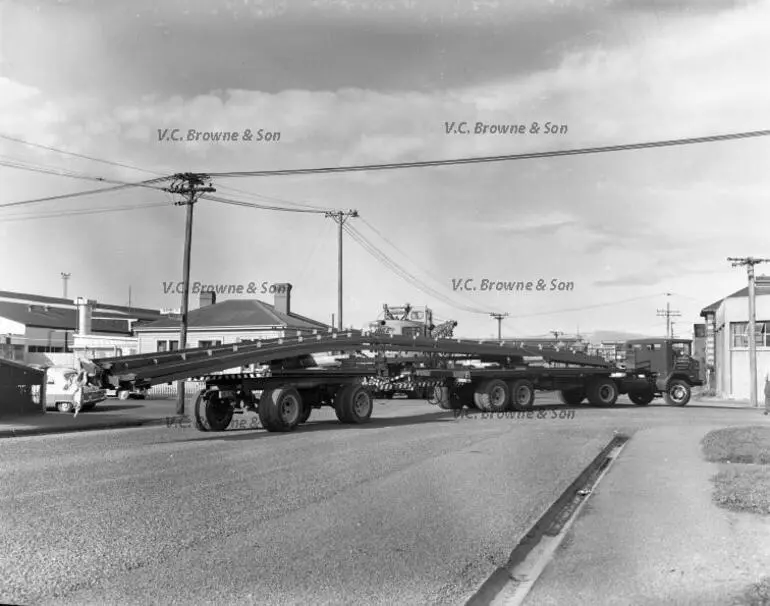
x,y
522,395
280,409
572,397
641,398
492,395
353,404
310,398
306,412
212,413
677,393
602,392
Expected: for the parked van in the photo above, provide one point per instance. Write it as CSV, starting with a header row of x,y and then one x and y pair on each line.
x,y
60,390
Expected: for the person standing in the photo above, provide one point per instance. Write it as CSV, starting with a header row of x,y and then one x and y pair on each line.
x,y
77,397
767,392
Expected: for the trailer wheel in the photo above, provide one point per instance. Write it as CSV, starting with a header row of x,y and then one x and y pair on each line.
x,y
212,413
522,394
310,398
492,395
602,392
641,398
572,397
280,409
446,399
353,404
678,393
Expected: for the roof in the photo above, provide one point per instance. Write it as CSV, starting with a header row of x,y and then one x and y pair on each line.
x,y
20,366
133,312
236,313
61,318
658,340
743,292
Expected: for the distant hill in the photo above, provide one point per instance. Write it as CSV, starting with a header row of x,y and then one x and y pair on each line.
x,y
614,335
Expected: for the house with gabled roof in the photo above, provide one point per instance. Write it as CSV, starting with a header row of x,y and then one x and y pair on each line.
x,y
726,333
229,321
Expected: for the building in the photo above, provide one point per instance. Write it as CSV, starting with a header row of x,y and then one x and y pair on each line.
x,y
230,321
36,329
726,347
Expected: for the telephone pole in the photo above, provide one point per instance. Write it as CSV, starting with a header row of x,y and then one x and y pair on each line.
x,y
668,314
499,318
339,218
191,186
749,263
65,277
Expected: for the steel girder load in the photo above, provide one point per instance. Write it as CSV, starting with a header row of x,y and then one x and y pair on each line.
x,y
156,368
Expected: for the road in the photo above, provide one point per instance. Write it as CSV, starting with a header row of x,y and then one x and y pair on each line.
x,y
416,507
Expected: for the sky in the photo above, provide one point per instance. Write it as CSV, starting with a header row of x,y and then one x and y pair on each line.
x,y
368,82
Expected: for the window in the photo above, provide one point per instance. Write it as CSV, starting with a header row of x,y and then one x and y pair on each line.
x,y
681,349
209,343
739,334
165,346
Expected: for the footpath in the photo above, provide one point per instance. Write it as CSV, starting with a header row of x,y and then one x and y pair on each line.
x,y
651,534
111,414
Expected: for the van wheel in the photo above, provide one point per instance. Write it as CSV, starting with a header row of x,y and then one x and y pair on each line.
x,y
64,406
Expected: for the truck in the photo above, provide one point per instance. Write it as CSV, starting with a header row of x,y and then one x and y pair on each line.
x,y
506,376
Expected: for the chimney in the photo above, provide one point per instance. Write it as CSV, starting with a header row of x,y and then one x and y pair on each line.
x,y
208,298
282,301
85,308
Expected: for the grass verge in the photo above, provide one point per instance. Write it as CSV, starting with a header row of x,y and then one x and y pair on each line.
x,y
743,482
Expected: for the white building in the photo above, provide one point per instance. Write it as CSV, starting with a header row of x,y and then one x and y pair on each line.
x,y
727,342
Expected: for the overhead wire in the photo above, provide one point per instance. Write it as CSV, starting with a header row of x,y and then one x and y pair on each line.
x,y
489,159
85,211
222,200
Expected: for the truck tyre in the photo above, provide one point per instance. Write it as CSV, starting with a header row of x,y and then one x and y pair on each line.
x,y
522,395
212,413
310,398
353,404
641,398
280,409
603,392
678,393
572,397
492,395
446,399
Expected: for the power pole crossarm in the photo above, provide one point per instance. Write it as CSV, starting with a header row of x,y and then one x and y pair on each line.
x,y
749,263
499,317
668,313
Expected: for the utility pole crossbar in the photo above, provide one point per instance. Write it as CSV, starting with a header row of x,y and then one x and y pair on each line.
x,y
499,317
668,313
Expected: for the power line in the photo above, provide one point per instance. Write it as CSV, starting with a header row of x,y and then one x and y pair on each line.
x,y
668,314
488,159
585,307
261,206
83,156
150,184
72,212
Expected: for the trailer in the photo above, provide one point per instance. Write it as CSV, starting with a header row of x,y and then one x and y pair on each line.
x,y
293,384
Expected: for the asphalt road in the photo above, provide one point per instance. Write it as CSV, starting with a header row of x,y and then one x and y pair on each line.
x,y
415,508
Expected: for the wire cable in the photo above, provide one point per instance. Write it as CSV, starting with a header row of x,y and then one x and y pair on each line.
x,y
85,211
489,159
150,184
261,206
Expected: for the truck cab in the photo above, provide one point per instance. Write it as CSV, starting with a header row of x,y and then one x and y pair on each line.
x,y
668,363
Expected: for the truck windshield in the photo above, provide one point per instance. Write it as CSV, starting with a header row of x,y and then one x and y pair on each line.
x,y
681,349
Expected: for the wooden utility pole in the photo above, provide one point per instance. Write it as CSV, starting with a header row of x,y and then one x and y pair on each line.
x,y
191,186
499,318
749,263
668,314
65,278
339,218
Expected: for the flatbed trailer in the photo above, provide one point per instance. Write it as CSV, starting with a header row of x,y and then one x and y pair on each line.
x,y
285,396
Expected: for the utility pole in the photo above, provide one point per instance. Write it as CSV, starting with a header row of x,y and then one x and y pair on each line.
x,y
65,277
339,218
499,318
668,314
191,186
749,263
